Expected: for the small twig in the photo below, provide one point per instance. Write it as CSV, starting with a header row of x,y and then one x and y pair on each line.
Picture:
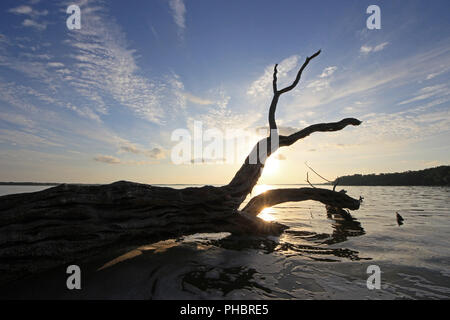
x,y
317,173
335,184
307,180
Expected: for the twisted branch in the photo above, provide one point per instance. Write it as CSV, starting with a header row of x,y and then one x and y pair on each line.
x,y
319,127
277,196
299,74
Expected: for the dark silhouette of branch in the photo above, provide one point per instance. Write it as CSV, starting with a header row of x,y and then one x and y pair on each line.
x,y
277,93
275,79
319,127
335,185
276,196
248,175
307,180
306,164
299,74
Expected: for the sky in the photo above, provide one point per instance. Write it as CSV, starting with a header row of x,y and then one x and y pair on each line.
x,y
101,103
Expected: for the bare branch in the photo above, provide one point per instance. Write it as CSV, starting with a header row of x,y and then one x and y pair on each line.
x,y
273,104
319,127
248,175
299,74
277,93
335,185
275,79
306,164
276,196
307,180
273,107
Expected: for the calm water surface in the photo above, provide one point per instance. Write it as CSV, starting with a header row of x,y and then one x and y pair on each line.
x,y
319,257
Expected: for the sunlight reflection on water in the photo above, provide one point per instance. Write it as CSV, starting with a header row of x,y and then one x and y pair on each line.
x,y
266,214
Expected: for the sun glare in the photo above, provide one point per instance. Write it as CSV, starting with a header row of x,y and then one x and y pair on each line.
x,y
271,166
266,214
260,188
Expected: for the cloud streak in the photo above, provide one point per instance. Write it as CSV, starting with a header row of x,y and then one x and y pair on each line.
x,y
100,68
263,85
107,159
155,153
33,14
438,91
368,49
178,13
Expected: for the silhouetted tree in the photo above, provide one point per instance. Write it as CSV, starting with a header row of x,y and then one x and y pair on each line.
x,y
69,223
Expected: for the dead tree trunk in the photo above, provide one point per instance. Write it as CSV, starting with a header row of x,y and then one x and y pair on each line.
x,y
68,223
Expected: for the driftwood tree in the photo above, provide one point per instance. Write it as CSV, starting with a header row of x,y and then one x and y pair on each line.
x,y
68,223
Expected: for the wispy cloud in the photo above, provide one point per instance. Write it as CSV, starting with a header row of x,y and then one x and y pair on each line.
x,y
114,160
368,49
402,127
21,10
37,25
359,84
178,13
33,15
100,73
328,71
107,159
28,10
197,100
435,74
222,116
324,79
436,91
17,137
100,68
263,85
55,64
155,153
319,85
16,119
104,62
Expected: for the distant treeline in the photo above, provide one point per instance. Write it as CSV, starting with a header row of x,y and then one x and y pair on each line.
x,y
439,176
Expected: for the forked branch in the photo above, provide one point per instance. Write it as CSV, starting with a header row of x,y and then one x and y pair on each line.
x,y
277,93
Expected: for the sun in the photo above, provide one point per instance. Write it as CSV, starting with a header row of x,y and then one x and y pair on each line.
x,y
271,166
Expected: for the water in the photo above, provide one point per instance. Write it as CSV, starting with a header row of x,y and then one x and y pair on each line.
x,y
319,257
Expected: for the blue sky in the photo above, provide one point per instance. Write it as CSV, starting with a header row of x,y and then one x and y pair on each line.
x,y
99,104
